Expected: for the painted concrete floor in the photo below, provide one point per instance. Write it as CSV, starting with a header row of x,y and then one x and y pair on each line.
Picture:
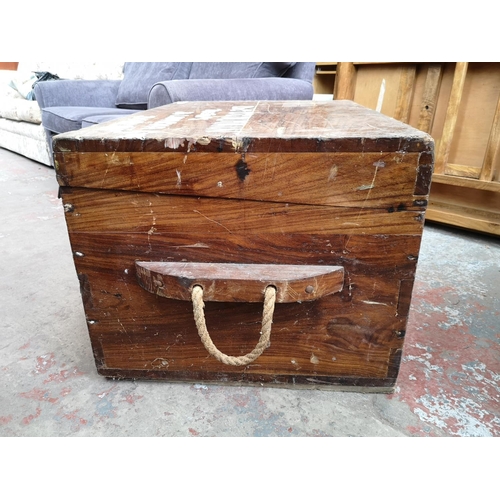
x,y
448,384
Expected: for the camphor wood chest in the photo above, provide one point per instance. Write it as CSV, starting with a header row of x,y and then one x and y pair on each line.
x,y
308,212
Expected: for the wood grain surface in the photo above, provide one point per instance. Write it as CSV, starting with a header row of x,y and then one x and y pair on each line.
x,y
334,179
250,127
355,333
132,197
234,282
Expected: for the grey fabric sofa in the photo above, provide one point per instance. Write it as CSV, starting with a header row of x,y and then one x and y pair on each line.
x,y
72,104
21,129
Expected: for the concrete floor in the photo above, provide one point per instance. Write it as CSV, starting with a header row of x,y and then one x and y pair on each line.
x,y
448,384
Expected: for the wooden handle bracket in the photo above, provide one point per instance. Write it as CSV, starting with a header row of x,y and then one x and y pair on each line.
x,y
223,282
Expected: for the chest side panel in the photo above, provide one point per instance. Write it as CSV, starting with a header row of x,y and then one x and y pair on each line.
x,y
357,333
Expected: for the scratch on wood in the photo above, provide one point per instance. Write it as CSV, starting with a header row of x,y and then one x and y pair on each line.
x,y
153,229
212,220
121,324
104,178
194,245
159,362
368,188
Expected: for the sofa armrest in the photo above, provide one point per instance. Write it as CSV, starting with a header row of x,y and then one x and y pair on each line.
x,y
94,93
243,89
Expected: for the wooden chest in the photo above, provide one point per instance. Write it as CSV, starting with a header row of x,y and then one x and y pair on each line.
x,y
290,230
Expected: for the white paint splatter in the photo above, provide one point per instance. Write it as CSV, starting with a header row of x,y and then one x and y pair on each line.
x,y
206,114
232,122
200,387
471,419
333,173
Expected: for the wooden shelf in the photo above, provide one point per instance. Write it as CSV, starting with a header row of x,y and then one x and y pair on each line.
x,y
458,104
477,219
465,182
324,78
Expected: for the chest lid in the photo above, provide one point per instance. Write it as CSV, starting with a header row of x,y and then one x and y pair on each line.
x,y
334,153
249,126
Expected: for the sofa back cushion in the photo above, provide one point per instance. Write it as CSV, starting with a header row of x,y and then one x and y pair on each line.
x,y
302,71
229,70
139,77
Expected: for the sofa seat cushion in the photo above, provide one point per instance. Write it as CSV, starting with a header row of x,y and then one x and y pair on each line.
x,y
94,120
139,77
61,119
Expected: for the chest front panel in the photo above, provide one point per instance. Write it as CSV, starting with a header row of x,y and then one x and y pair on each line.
x,y
335,200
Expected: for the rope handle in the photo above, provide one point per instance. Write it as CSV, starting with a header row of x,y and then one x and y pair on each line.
x,y
265,334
